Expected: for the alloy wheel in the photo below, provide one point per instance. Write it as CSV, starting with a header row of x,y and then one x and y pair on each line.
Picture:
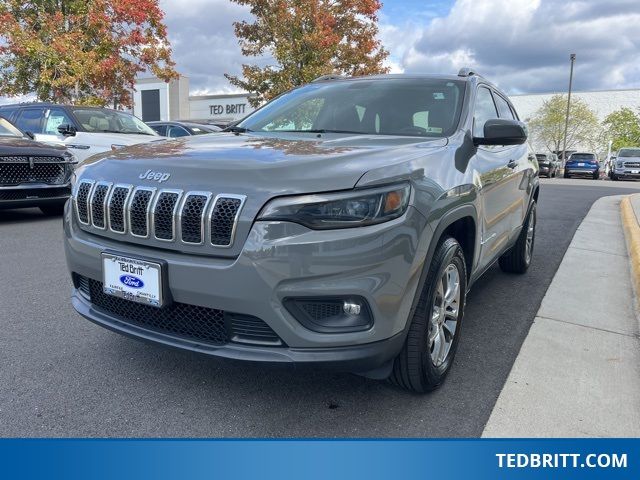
x,y
444,316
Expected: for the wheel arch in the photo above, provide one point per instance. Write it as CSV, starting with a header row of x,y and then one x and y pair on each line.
x,y
462,224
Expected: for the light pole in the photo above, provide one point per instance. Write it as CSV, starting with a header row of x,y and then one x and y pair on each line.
x,y
566,121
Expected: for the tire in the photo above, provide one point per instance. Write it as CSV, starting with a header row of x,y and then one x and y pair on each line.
x,y
614,177
419,367
518,258
596,176
566,175
52,210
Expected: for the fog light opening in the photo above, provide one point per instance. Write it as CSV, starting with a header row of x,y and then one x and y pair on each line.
x,y
331,314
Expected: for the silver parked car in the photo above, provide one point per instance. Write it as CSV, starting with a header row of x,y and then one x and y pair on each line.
x,y
341,224
626,166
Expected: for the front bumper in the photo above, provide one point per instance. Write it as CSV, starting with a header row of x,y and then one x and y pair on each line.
x,y
627,173
380,263
25,196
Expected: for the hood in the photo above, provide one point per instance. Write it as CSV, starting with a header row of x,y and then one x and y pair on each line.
x,y
266,165
14,146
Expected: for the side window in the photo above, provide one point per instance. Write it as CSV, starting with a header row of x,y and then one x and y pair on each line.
x,y
160,129
503,108
175,132
54,119
485,110
30,120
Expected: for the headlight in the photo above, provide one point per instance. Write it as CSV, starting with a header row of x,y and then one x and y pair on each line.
x,y
620,164
355,208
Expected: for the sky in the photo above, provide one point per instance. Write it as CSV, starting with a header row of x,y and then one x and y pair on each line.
x,y
522,45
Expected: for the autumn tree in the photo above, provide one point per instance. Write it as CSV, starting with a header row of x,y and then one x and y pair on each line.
x,y
81,51
548,123
307,39
623,128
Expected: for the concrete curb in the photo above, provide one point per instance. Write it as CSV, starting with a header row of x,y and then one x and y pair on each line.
x,y
578,371
631,224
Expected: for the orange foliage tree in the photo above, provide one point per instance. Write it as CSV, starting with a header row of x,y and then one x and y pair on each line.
x,y
81,51
306,39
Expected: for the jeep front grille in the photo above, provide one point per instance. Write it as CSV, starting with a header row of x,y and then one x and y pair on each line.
x,y
190,218
18,170
631,164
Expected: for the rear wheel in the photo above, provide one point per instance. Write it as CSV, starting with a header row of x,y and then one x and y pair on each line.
x,y
433,336
52,210
518,258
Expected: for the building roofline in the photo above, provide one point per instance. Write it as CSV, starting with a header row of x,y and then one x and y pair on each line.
x,y
574,92
218,96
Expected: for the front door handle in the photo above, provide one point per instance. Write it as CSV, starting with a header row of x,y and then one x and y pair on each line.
x,y
512,164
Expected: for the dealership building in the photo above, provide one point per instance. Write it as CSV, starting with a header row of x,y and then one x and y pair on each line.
x,y
157,100
154,99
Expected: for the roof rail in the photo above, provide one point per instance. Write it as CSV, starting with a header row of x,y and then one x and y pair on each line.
x,y
466,72
331,76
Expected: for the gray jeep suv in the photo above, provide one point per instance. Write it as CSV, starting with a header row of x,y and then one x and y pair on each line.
x,y
341,224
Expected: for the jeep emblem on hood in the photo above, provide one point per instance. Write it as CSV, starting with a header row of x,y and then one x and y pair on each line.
x,y
157,176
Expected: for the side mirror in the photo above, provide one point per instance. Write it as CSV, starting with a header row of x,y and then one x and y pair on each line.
x,y
67,130
30,135
502,132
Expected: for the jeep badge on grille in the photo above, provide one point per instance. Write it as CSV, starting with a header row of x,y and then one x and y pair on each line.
x,y
157,176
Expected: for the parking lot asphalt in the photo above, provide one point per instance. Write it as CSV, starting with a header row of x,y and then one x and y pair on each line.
x,y
60,375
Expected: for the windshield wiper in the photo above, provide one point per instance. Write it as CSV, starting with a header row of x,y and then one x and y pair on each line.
x,y
235,129
324,130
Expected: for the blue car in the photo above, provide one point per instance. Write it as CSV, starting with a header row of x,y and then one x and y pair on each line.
x,y
582,165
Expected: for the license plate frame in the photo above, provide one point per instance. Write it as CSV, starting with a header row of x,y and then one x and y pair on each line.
x,y
146,273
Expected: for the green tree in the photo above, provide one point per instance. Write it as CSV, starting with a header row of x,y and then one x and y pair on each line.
x,y
81,51
623,128
307,39
547,125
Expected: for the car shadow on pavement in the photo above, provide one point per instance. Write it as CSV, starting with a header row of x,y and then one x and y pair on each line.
x,y
22,215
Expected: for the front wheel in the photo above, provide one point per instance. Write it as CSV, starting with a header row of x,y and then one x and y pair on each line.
x,y
518,258
433,336
566,175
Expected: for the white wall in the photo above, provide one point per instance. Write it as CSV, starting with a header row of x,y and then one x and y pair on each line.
x,y
222,108
602,103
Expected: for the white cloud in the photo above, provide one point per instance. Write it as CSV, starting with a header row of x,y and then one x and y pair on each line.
x,y
524,45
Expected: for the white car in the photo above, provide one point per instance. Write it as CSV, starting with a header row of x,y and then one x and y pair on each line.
x,y
85,131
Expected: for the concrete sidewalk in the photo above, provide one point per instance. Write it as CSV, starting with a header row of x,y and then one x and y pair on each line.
x,y
578,372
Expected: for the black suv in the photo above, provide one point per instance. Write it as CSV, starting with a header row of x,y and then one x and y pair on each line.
x,y
33,174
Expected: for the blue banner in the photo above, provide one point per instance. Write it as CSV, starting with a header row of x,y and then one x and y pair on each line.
x,y
319,459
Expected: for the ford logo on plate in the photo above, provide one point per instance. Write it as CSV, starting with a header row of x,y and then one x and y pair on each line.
x,y
131,281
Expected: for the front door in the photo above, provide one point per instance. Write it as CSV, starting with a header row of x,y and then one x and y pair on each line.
x,y
498,184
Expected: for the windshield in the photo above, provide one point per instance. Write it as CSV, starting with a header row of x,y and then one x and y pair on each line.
x,y
541,156
111,121
394,106
8,130
589,157
629,152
